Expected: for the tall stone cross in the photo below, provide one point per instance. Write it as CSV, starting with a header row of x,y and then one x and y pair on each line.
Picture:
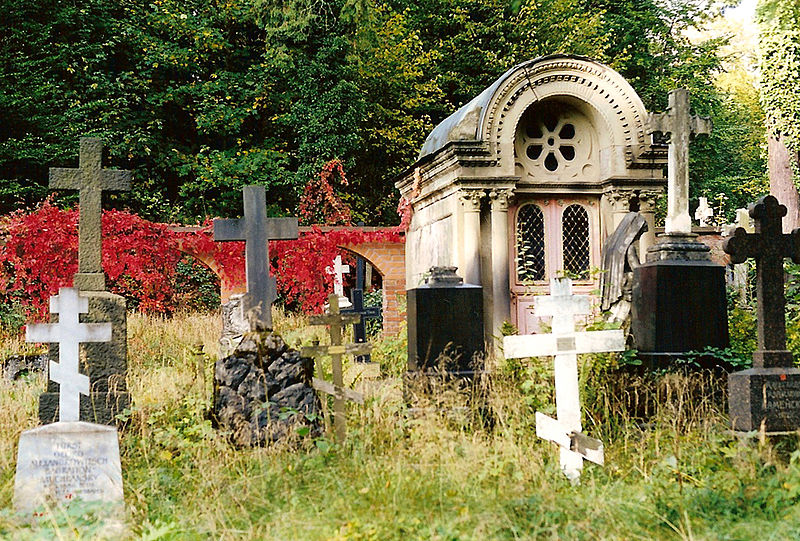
x,y
69,333
257,230
769,246
336,322
564,344
679,126
91,180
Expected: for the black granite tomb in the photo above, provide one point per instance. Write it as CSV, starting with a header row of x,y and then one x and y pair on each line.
x,y
445,324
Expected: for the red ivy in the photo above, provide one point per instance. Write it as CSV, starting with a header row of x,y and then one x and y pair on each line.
x,y
320,204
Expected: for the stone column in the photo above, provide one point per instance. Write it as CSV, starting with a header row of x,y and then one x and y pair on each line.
x,y
619,202
501,290
647,208
471,202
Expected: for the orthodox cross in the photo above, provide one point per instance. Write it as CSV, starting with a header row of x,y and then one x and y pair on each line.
x,y
69,334
257,230
336,322
679,126
564,344
338,271
768,246
91,180
370,312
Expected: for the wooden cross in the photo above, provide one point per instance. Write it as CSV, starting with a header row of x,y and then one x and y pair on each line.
x,y
91,180
679,126
565,343
69,333
768,246
257,230
336,322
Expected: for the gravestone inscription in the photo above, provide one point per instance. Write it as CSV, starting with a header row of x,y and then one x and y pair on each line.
x,y
767,396
564,343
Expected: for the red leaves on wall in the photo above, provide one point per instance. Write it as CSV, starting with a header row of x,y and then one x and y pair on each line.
x,y
320,204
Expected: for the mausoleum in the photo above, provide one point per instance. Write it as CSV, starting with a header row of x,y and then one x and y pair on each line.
x,y
528,179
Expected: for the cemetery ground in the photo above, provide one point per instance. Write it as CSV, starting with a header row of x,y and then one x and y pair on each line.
x,y
673,469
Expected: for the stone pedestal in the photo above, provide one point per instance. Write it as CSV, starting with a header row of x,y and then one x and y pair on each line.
x,y
679,302
445,317
766,399
106,371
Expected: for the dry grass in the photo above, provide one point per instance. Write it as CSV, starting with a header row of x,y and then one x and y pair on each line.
x,y
471,468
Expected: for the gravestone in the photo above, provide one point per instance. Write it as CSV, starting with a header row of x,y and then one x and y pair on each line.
x,y
357,307
336,323
256,230
69,460
703,213
738,278
767,396
678,300
107,362
564,343
445,322
338,271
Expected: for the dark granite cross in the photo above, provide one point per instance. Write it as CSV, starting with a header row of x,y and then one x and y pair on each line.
x,y
370,312
257,230
91,180
769,246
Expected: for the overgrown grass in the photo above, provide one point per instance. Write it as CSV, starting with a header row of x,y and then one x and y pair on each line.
x,y
673,470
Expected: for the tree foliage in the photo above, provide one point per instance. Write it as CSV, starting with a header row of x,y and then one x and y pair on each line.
x,y
200,98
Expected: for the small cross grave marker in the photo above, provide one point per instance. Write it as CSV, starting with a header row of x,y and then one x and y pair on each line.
x,y
257,230
91,180
564,343
69,333
336,322
338,271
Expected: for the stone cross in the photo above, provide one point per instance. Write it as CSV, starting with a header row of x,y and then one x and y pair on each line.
x,y
336,322
679,126
91,180
69,333
703,212
564,344
768,246
257,230
338,271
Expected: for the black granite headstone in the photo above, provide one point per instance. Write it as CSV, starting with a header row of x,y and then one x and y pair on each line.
x,y
767,396
445,324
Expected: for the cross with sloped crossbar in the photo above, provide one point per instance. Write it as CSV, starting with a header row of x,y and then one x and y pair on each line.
x,y
91,180
69,333
564,343
257,230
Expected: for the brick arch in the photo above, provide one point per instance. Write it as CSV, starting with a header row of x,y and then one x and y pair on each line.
x,y
388,259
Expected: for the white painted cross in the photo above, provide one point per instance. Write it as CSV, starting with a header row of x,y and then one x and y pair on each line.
x,y
338,271
565,343
69,333
703,212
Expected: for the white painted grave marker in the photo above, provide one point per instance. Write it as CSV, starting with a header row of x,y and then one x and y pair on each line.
x,y
338,271
69,333
703,213
564,344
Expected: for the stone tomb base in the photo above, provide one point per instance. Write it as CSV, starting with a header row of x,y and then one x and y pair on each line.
x,y
765,395
678,306
108,369
60,463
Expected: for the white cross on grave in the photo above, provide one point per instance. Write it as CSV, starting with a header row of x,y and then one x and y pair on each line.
x,y
69,333
338,271
564,344
703,213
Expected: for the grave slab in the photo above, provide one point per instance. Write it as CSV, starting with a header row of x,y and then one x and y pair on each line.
x,y
64,462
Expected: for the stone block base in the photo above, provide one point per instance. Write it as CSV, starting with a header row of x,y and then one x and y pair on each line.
x,y
99,408
765,399
678,306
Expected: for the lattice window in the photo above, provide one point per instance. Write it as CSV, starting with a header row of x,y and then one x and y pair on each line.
x,y
575,238
530,243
